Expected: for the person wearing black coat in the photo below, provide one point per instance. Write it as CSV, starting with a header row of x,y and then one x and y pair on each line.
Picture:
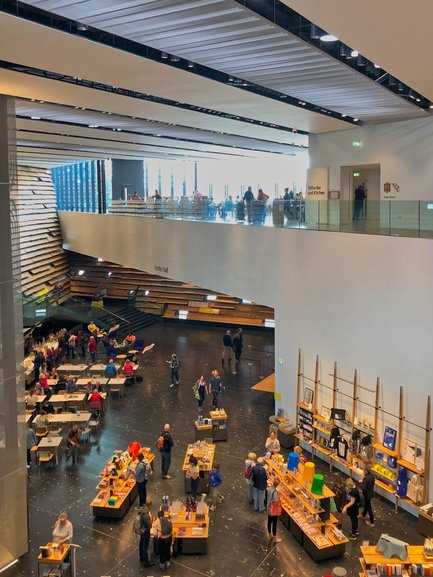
x,y
367,487
259,477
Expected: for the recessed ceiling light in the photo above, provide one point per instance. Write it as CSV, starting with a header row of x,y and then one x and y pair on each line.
x,y
431,106
190,64
328,38
376,65
355,119
35,117
82,27
164,55
93,126
343,115
354,53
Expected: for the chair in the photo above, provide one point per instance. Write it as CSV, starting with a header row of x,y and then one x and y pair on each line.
x,y
96,409
147,352
94,425
115,389
41,432
44,457
85,434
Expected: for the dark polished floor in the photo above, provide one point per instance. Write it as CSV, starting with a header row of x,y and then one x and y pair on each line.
x,y
237,546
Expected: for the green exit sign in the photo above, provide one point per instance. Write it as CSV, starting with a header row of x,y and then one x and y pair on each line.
x,y
356,143
356,174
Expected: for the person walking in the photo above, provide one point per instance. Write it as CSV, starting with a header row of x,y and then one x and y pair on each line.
x,y
141,476
32,441
259,478
227,347
248,199
72,443
237,348
215,387
358,209
352,507
367,487
166,443
274,510
142,527
174,363
200,392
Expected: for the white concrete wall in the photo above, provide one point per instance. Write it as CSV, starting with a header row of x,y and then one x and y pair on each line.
x,y
363,301
403,150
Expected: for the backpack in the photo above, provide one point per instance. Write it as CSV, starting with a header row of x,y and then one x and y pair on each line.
x,y
275,507
138,525
148,473
166,526
249,471
196,393
160,443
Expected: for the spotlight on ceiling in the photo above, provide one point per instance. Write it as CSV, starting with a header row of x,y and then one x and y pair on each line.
x,y
164,55
328,38
35,117
400,87
431,106
354,54
344,51
377,65
355,119
190,64
82,27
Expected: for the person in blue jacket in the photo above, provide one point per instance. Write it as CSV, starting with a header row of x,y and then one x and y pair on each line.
x,y
215,482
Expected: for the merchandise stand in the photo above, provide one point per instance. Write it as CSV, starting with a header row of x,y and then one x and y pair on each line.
x,y
373,563
117,491
307,515
58,560
313,432
205,453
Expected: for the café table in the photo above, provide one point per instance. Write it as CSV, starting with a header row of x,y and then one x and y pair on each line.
x,y
78,417
51,442
72,369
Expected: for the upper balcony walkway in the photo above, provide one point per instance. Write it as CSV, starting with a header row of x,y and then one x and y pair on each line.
x,y
387,218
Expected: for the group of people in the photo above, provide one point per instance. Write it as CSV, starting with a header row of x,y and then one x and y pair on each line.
x,y
233,344
214,388
349,497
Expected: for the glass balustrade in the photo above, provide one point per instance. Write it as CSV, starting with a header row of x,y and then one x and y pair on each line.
x,y
389,218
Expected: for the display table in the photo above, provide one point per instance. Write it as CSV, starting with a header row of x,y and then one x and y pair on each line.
x,y
190,532
219,425
415,556
59,558
117,487
202,431
205,455
307,515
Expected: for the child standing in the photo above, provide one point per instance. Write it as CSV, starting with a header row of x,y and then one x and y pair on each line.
x,y
215,481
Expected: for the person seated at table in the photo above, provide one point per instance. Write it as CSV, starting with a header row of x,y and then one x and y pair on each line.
x,y
61,384
63,530
110,349
53,374
31,399
39,389
47,407
96,397
71,386
133,358
93,328
128,370
110,370
272,445
41,420
129,340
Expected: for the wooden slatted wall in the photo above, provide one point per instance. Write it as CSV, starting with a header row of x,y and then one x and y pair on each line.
x,y
44,263
169,294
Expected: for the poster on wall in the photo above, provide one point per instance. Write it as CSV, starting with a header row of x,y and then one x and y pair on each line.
x,y
317,183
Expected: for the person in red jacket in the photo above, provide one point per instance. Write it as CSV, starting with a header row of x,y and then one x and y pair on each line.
x,y
96,397
92,347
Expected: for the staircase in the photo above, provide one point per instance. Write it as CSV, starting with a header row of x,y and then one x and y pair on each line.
x,y
129,318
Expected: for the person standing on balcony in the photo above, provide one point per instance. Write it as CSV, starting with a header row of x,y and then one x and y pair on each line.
x,y
358,209
248,199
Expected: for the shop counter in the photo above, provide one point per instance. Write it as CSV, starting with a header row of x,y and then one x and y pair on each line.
x,y
219,425
202,431
190,532
205,454
117,487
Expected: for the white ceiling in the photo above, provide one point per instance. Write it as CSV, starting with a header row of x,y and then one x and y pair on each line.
x,y
221,34
226,36
395,33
